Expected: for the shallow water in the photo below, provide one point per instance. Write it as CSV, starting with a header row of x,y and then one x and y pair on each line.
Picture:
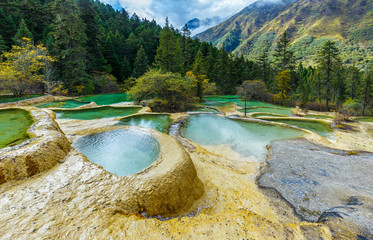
x,y
267,110
267,115
6,99
160,122
365,119
106,99
223,100
13,127
121,152
323,129
246,138
62,104
205,109
96,113
319,116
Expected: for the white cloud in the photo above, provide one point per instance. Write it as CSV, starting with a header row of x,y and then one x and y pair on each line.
x,y
181,11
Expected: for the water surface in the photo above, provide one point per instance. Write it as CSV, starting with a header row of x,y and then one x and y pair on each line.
x,y
62,104
223,100
7,98
281,111
13,127
96,113
160,122
245,138
121,152
323,129
106,99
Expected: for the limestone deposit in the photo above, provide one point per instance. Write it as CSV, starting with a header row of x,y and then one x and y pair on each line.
x,y
189,193
47,146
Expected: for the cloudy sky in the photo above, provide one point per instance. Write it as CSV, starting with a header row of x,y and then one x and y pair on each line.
x,y
180,11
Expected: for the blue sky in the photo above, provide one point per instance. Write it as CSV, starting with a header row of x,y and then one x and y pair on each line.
x,y
180,11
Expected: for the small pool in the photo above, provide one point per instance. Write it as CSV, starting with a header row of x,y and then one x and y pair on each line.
x,y
121,152
13,127
62,104
281,111
96,113
7,98
229,99
268,115
160,122
323,129
106,99
246,138
319,116
365,119
205,109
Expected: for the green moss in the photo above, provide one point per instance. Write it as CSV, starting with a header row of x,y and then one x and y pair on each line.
x,y
13,127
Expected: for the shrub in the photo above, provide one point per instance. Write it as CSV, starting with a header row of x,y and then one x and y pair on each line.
x,y
170,91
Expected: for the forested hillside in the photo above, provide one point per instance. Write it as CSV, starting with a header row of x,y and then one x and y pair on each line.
x,y
95,48
309,23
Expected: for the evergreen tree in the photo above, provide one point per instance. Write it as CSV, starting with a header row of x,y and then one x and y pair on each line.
x,y
353,81
23,32
283,55
70,39
367,90
222,71
112,58
327,61
8,27
265,69
141,63
200,73
2,45
169,57
185,42
95,58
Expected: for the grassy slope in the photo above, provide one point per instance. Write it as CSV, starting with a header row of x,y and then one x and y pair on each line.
x,y
309,24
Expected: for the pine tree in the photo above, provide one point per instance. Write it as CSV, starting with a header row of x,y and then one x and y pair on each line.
x,y
222,71
112,58
70,39
95,58
141,63
8,28
23,32
367,90
265,69
353,81
2,45
200,72
327,61
282,53
169,57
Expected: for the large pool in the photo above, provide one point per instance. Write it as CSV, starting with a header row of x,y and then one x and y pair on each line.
x,y
121,152
13,127
96,113
249,139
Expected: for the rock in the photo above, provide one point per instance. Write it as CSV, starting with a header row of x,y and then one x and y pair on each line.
x,y
323,184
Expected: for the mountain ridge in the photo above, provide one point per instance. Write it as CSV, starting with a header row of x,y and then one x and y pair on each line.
x,y
257,27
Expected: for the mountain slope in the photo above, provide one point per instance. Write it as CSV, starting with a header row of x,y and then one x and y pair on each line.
x,y
308,22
